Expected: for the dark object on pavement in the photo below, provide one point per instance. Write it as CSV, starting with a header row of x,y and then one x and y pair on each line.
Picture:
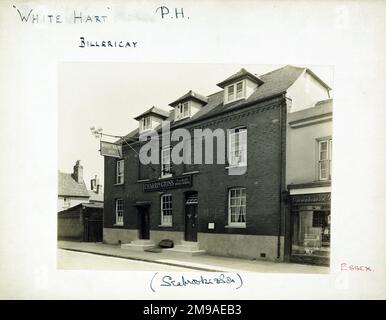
x,y
166,243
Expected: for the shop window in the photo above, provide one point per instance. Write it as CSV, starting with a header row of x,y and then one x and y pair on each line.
x,y
237,207
166,210
318,219
311,232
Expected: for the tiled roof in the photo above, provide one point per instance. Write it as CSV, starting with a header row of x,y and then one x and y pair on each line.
x,y
67,186
275,83
92,205
73,212
192,95
154,110
238,75
95,196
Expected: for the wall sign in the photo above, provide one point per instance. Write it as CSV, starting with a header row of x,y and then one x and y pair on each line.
x,y
311,198
173,183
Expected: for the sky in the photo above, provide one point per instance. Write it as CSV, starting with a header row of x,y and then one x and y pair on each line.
x,y
111,94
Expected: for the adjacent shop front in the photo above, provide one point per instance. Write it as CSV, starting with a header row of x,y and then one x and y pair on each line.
x,y
310,221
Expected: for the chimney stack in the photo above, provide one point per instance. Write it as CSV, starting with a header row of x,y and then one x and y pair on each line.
x,y
94,184
78,172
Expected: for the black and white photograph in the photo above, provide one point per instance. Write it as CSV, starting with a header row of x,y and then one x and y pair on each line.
x,y
198,152
225,169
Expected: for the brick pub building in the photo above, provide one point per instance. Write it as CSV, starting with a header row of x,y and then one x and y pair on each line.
x,y
201,207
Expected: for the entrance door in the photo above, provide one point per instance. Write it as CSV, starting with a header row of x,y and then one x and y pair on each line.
x,y
94,230
191,222
191,218
144,223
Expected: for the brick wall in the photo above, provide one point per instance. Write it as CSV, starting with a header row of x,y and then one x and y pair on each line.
x,y
262,180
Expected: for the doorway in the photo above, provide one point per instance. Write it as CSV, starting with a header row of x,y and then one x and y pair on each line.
x,y
191,216
310,235
144,223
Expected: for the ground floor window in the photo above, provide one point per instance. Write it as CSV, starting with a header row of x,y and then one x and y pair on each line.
x,y
237,204
119,211
311,231
166,210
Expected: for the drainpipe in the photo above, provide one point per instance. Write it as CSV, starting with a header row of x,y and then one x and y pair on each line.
x,y
283,126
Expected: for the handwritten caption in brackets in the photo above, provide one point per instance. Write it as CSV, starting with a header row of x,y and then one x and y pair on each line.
x,y
221,280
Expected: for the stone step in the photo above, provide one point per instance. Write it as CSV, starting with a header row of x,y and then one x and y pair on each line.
x,y
142,241
138,245
185,248
190,244
181,250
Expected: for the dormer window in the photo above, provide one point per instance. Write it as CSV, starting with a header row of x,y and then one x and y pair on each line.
x,y
239,85
183,111
145,123
235,91
151,119
188,105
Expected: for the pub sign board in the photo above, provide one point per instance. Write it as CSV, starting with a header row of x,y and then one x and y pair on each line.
x,y
109,149
172,183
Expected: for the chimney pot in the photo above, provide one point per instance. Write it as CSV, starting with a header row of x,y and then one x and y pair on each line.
x,y
78,172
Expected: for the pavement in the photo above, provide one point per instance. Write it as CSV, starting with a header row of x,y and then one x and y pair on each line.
x,y
74,260
204,262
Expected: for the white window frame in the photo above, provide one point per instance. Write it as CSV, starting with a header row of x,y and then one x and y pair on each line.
x,y
119,212
239,204
120,172
145,123
327,160
167,219
165,164
241,134
180,110
235,95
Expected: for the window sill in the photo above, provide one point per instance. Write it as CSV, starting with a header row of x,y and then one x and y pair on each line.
x,y
179,119
165,225
165,177
144,130
119,184
235,227
190,172
234,100
236,167
118,225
